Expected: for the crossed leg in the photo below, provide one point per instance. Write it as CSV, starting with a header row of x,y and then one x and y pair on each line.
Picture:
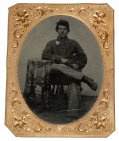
x,y
73,91
67,70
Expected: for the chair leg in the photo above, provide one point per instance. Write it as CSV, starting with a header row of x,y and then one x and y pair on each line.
x,y
57,90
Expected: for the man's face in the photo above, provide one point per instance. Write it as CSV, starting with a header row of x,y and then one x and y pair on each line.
x,y
62,31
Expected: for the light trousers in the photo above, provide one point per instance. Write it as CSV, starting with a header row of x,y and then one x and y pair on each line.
x,y
73,91
67,70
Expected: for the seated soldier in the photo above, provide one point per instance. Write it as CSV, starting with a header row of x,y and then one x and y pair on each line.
x,y
68,56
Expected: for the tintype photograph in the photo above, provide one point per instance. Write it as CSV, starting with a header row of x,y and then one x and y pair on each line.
x,y
60,69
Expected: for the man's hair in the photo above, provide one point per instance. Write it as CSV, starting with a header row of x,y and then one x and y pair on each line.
x,y
64,23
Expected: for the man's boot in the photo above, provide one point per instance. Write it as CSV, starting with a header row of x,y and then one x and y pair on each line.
x,y
89,82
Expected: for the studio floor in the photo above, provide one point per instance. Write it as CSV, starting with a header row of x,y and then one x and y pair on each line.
x,y
55,116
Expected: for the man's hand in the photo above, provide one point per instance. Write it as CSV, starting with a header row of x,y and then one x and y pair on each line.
x,y
75,66
63,60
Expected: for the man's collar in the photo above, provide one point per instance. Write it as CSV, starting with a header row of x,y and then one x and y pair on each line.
x,y
60,39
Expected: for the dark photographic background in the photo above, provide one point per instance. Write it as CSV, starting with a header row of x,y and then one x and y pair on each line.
x,y
44,31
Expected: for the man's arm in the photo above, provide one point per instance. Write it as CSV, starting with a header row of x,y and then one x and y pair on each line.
x,y
48,53
82,58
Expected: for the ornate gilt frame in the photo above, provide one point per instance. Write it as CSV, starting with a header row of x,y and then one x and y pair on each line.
x,y
100,120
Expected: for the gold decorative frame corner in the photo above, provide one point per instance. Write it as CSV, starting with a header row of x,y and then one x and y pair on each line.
x,y
100,121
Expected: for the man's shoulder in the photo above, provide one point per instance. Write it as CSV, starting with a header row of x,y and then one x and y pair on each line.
x,y
67,40
51,42
73,41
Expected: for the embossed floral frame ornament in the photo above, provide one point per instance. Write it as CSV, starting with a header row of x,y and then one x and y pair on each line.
x,y
100,120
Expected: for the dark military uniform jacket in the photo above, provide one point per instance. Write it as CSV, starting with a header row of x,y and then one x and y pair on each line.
x,y
65,48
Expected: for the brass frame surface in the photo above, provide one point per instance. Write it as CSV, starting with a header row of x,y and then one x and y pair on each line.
x,y
100,120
